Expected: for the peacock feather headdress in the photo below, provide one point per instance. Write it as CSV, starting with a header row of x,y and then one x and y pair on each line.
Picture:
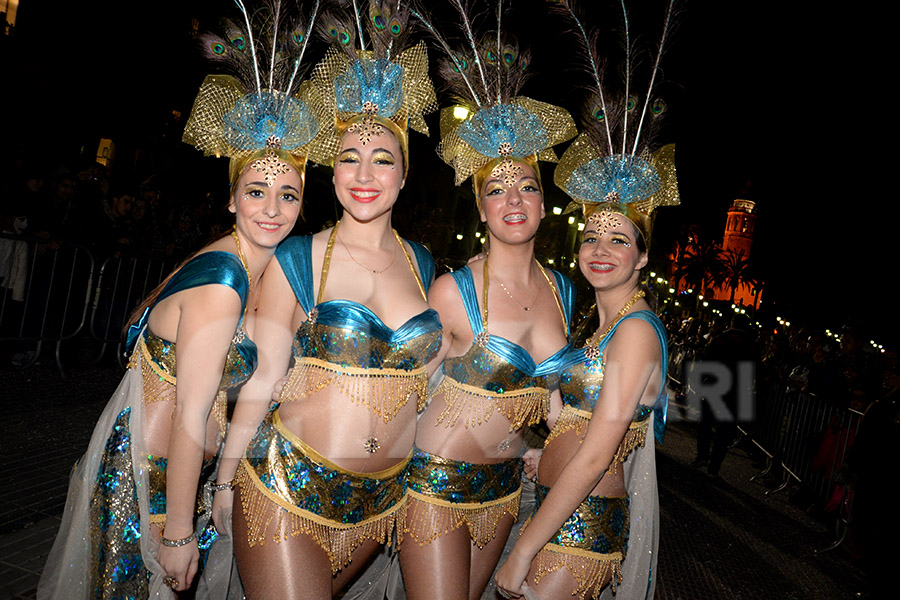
x,y
258,110
371,79
484,75
614,166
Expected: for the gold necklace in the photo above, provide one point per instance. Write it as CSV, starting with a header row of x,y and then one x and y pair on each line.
x,y
237,242
522,306
239,334
483,336
374,271
592,348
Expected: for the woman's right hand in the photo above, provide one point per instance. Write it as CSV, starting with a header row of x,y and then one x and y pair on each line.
x,y
531,458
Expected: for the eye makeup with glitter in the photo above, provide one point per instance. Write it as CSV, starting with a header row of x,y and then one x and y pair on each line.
x,y
384,158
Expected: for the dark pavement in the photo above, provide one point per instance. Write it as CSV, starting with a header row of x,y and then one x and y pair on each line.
x,y
721,538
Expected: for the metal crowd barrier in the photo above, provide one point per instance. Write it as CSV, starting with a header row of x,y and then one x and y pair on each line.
x,y
806,440
45,288
50,292
123,282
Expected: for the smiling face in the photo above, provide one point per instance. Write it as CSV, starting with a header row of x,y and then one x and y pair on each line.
x,y
609,256
367,179
265,214
512,207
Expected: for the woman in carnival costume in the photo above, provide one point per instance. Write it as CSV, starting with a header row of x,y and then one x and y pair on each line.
x,y
506,327
130,527
596,496
321,483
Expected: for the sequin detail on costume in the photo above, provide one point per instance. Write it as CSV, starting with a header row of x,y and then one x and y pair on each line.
x,y
270,166
116,562
480,383
591,544
286,487
157,467
448,493
372,372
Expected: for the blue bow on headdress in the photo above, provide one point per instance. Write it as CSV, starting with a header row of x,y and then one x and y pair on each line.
x,y
376,81
260,117
504,124
633,178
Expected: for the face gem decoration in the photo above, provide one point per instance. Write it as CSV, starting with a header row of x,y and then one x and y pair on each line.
x,y
508,171
605,220
270,166
367,127
503,446
372,445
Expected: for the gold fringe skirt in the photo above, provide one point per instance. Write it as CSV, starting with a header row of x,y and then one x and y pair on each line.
x,y
289,488
590,545
447,494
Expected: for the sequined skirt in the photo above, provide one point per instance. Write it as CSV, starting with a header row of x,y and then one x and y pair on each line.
x,y
444,494
117,567
591,544
288,487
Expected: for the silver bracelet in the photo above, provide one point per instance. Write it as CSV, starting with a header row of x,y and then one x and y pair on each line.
x,y
219,487
176,543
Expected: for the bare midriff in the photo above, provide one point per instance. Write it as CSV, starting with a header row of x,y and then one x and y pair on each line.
x,y
341,430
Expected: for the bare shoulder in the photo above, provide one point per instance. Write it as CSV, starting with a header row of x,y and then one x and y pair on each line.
x,y
444,295
634,337
445,299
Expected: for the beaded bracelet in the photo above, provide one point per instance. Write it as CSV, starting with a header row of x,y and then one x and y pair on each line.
x,y
219,487
177,543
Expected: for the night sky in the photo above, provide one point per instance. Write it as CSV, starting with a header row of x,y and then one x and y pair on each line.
x,y
769,103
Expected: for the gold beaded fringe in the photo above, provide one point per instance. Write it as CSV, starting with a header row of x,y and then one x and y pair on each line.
x,y
577,419
591,570
383,391
338,540
159,385
634,437
569,418
434,517
521,407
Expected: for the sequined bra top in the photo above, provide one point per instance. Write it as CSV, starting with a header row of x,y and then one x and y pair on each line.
x,y
346,344
215,267
499,371
580,382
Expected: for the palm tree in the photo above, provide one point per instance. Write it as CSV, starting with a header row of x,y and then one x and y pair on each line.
x,y
701,265
737,271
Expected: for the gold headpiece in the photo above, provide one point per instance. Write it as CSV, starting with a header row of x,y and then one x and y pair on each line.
x,y
609,168
258,119
372,87
498,128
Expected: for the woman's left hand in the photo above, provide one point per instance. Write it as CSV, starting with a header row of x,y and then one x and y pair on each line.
x,y
511,575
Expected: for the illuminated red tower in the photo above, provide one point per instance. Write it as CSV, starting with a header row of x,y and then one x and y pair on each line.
x,y
736,242
739,227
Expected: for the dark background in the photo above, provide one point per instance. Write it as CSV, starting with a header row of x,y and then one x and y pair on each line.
x,y
772,101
